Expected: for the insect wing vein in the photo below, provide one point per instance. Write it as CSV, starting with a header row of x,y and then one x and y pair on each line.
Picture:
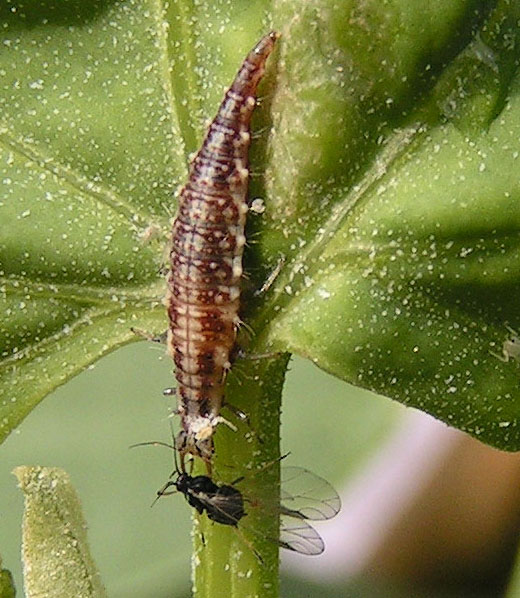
x,y
299,536
305,495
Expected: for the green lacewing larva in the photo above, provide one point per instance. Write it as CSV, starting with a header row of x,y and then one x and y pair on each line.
x,y
205,273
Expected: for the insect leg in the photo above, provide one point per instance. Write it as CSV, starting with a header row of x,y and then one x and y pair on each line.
x,y
197,527
237,480
248,543
163,491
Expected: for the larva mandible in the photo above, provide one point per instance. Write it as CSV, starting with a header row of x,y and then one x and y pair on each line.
x,y
206,260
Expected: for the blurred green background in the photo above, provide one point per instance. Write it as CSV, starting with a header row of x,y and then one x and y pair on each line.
x,y
87,426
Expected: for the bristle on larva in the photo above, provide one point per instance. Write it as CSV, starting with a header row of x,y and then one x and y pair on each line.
x,y
206,260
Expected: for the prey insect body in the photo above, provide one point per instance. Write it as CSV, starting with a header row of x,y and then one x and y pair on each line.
x,y
305,497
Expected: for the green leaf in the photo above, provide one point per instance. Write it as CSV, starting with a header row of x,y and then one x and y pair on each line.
x,y
393,180
87,162
55,550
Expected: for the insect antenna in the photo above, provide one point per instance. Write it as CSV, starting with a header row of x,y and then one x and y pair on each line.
x,y
152,443
162,491
176,467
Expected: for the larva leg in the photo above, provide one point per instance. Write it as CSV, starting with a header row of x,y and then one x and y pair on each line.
x,y
257,206
238,413
149,336
242,417
242,354
163,270
240,324
510,347
503,358
273,275
259,133
222,420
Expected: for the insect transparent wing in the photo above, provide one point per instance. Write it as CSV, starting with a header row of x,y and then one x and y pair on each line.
x,y
304,495
299,536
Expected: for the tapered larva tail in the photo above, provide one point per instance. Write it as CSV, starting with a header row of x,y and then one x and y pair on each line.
x,y
206,260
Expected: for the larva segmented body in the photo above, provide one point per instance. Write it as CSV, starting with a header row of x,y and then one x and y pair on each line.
x,y
206,260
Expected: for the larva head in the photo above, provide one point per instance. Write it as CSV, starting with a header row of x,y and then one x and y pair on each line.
x,y
196,440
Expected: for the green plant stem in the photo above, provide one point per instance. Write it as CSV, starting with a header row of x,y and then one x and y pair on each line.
x,y
224,563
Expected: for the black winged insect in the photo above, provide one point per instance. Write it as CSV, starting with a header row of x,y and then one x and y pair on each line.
x,y
305,497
